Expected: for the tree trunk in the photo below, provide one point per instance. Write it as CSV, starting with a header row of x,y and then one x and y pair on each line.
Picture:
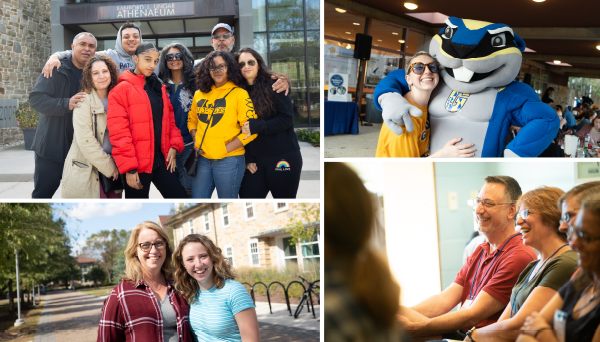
x,y
11,299
22,298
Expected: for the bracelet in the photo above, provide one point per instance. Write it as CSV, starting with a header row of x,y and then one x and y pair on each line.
x,y
540,331
470,332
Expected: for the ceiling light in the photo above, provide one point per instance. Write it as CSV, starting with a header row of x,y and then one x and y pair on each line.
x,y
340,10
556,62
375,44
379,40
348,32
356,23
348,47
401,41
395,33
539,0
598,47
412,6
339,44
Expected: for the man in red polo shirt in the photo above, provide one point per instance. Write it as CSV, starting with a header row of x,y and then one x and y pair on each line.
x,y
484,283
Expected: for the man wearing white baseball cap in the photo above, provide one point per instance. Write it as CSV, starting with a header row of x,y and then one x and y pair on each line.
x,y
222,37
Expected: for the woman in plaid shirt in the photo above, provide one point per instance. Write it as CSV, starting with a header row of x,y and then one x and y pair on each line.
x,y
145,305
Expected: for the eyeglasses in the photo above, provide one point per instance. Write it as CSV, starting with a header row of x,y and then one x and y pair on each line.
x,y
524,214
177,57
251,63
419,68
147,246
567,217
221,67
487,203
219,36
584,237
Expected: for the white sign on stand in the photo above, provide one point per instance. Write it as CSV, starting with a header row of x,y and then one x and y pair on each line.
x,y
338,87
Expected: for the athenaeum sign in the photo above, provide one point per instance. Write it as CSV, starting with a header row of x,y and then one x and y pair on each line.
x,y
163,9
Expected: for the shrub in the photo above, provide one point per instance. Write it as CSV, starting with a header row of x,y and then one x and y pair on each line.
x,y
26,116
252,275
313,137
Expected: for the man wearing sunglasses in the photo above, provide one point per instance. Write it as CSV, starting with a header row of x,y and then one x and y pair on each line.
x,y
484,284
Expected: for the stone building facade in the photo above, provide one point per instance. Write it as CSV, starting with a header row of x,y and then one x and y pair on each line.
x,y
251,234
24,45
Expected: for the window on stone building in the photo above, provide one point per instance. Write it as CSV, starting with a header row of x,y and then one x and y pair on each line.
x,y
225,215
279,207
289,251
254,257
206,222
229,254
191,225
311,257
249,211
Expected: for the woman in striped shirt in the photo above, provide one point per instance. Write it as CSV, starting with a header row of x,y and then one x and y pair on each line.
x,y
220,307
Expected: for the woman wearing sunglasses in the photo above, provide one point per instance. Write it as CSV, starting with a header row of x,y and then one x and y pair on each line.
x,y
145,305
538,221
422,75
276,143
573,314
177,73
219,110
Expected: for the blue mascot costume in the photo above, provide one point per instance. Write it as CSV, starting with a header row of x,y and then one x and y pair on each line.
x,y
477,98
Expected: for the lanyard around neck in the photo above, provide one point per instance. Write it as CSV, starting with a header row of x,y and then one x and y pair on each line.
x,y
513,308
486,272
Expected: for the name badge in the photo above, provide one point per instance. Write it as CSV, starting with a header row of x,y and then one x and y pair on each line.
x,y
466,304
560,325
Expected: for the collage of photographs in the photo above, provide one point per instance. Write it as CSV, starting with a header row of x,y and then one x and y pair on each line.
x,y
162,174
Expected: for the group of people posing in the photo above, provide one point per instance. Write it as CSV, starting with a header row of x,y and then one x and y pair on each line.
x,y
535,278
182,295
137,115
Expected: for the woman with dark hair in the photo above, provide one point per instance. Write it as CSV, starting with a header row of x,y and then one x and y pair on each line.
x,y
273,160
220,307
546,97
573,314
177,73
588,116
91,148
142,129
219,110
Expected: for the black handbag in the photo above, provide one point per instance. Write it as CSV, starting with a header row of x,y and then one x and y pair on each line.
x,y
191,164
108,184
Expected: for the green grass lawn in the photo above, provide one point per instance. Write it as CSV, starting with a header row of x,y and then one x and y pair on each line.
x,y
99,292
25,332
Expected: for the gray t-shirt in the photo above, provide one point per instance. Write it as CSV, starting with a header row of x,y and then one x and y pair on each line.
x,y
106,146
169,320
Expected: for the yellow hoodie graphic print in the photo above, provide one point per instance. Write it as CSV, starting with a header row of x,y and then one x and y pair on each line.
x,y
225,124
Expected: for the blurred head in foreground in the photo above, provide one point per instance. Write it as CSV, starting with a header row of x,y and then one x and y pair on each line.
x,y
362,296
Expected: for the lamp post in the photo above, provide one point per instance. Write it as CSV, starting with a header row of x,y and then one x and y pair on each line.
x,y
19,321
33,292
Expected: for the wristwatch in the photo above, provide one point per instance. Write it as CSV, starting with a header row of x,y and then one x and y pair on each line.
x,y
470,332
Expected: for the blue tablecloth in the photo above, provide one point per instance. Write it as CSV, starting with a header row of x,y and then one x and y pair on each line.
x,y
341,117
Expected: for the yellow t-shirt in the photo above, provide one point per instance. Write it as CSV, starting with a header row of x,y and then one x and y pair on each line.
x,y
414,144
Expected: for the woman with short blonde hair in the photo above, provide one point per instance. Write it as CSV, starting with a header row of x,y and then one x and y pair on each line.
x,y
146,294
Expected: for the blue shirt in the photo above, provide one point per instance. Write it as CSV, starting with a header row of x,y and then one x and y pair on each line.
x,y
181,100
570,118
212,314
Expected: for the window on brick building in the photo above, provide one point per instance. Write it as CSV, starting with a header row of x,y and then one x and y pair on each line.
x,y
206,222
229,254
254,257
191,225
279,207
225,215
249,211
289,250
311,256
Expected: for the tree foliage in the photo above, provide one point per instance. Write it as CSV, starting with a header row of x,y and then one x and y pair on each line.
x,y
106,246
97,274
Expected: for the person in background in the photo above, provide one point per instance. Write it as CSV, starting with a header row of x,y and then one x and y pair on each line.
x,y
90,150
546,97
177,73
593,129
573,314
145,306
220,307
568,115
55,100
587,116
273,160
538,222
354,312
142,129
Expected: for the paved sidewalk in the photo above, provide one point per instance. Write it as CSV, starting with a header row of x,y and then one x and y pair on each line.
x,y
73,316
17,166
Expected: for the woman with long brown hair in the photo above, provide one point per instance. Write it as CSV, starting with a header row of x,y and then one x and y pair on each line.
x,y
90,150
145,304
273,160
361,296
220,307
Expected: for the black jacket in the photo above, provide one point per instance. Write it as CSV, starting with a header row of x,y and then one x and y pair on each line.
x,y
50,97
275,131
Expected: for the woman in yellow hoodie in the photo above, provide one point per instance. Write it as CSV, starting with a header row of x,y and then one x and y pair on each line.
x,y
219,110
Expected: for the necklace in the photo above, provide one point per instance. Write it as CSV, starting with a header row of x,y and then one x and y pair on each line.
x,y
592,297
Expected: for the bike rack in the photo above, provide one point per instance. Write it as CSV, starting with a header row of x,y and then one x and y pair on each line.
x,y
303,290
252,293
287,299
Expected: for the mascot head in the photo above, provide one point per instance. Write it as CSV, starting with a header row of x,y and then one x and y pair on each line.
x,y
477,54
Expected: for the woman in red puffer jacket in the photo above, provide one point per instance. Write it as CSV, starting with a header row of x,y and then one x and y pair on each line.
x,y
142,129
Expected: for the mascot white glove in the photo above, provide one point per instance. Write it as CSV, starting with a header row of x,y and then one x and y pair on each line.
x,y
398,111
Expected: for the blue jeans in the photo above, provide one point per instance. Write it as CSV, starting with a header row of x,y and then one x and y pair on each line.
x,y
225,174
186,181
